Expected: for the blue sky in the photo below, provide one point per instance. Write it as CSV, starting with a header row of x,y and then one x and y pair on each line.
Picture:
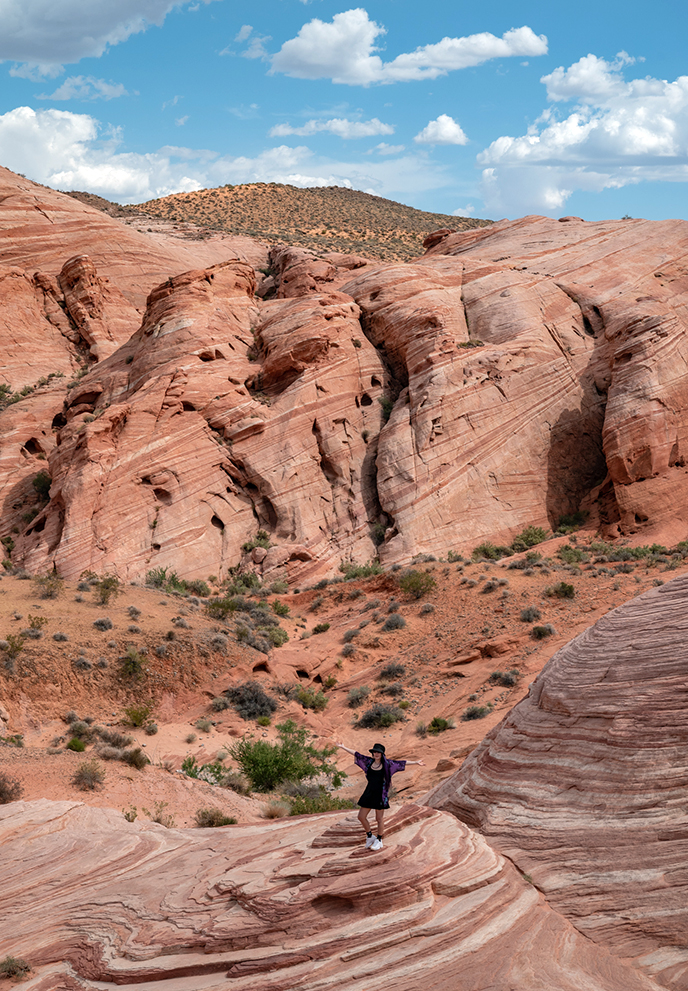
x,y
490,110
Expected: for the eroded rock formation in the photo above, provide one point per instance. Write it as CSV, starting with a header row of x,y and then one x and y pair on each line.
x,y
583,785
296,904
511,375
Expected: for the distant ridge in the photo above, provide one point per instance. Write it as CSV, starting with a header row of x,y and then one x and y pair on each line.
x,y
329,218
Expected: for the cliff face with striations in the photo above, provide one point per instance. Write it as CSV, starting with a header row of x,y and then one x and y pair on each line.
x,y
297,904
583,784
509,376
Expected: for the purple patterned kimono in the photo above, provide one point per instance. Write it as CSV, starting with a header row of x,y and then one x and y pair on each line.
x,y
389,768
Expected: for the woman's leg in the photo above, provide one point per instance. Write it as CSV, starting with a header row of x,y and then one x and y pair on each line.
x,y
363,818
380,815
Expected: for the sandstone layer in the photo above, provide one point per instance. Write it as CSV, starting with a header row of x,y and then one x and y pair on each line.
x,y
583,784
297,904
350,409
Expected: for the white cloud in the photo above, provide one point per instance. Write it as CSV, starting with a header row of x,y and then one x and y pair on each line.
x,y
66,150
85,88
45,33
243,34
443,131
342,50
464,211
618,133
340,126
181,121
384,149
256,48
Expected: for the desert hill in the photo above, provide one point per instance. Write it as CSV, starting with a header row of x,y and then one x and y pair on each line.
x,y
329,218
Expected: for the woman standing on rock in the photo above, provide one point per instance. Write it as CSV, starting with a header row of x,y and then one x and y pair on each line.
x,y
378,770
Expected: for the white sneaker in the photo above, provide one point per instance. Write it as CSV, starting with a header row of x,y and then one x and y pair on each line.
x,y
376,844
370,840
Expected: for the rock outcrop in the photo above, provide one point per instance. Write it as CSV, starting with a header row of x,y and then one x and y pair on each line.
x,y
296,904
510,376
583,785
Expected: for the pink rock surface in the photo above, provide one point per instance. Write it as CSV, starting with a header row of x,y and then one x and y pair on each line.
x,y
583,784
91,900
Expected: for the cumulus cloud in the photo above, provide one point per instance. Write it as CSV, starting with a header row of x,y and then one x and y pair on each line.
x,y
384,149
85,88
618,132
343,50
72,151
464,211
340,126
442,131
46,33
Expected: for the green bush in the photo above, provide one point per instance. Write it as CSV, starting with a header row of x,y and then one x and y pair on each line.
x,y
571,555
475,712
540,632
211,817
439,725
392,670
561,591
416,583
292,758
350,635
250,700
275,635
77,745
132,664
301,805
15,645
529,537
203,725
49,585
488,550
569,522
394,622
264,721
41,484
321,628
108,587
135,758
14,967
507,679
310,699
280,608
352,571
387,405
379,716
137,714
261,539
195,586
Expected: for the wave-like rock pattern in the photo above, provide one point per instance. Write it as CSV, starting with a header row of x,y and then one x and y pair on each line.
x,y
295,905
583,785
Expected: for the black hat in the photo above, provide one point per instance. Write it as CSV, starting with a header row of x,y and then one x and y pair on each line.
x,y
378,748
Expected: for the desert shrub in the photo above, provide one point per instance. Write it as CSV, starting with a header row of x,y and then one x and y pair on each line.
x,y
133,628
352,571
203,725
475,712
348,649
190,738
41,484
439,725
276,636
321,628
14,645
330,681
48,586
195,586
421,729
132,663
151,729
11,790
138,713
387,406
135,758
569,522
416,583
561,591
529,537
323,801
311,699
371,604
357,696
81,729
275,810
394,622
292,758
60,637
392,670
316,603
89,775
134,613
250,700
236,782
108,587
571,555
13,740
394,689
540,632
264,721
261,539
77,745
162,650
426,609
350,635
180,622
220,703
379,716
280,608
210,817
114,738
160,815
14,967
104,623
488,550
507,679
530,615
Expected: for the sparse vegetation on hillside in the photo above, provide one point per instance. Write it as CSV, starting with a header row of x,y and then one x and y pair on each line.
x,y
327,219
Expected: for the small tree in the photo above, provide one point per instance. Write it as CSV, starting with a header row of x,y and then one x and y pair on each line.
x,y
108,587
416,583
292,758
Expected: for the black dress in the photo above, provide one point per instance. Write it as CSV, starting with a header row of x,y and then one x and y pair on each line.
x,y
372,796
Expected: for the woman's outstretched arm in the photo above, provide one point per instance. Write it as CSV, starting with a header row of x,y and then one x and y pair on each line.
x,y
348,750
403,760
